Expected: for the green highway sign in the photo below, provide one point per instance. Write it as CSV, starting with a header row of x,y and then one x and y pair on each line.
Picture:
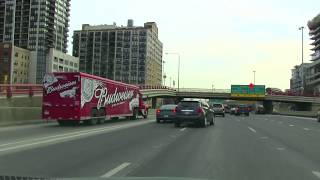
x,y
247,91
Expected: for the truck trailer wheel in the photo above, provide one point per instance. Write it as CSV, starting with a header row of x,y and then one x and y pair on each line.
x,y
94,118
135,114
62,122
145,116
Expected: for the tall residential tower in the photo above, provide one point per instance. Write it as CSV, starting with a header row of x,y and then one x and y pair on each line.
x,y
38,26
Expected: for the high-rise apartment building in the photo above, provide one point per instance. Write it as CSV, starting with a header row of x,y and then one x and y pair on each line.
x,y
36,25
131,54
313,69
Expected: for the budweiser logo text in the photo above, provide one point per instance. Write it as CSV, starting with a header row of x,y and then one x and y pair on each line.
x,y
105,99
60,87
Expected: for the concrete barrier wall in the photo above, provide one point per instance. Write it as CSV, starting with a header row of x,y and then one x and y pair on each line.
x,y
297,113
20,110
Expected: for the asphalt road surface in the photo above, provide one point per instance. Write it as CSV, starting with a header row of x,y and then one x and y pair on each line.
x,y
236,148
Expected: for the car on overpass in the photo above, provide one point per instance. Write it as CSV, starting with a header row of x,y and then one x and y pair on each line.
x,y
196,112
166,113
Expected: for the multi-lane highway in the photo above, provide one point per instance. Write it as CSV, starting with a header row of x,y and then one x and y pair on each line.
x,y
236,148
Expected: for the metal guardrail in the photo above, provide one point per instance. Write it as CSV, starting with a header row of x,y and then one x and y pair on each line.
x,y
204,90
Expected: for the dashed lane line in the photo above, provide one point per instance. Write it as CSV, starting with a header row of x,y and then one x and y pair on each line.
x,y
115,170
253,130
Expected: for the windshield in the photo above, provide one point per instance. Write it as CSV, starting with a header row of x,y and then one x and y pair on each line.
x,y
160,89
217,105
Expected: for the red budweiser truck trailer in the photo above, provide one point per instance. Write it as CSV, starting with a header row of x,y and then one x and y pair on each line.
x,y
73,97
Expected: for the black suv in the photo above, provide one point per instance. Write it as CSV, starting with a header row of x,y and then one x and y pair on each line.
x,y
195,112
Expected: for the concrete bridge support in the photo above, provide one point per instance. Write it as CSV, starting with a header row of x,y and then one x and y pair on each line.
x,y
268,106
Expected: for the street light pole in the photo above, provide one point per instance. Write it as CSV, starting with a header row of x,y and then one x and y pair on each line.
x,y
254,77
302,65
178,54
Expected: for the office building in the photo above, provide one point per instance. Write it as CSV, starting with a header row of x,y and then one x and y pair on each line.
x,y
36,25
131,54
313,70
61,62
14,64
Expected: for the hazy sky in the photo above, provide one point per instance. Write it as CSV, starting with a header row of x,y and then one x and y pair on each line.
x,y
220,42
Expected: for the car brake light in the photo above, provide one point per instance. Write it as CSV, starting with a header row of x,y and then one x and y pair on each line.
x,y
200,111
174,110
158,111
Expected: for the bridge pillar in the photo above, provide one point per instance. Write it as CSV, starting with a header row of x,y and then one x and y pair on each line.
x,y
168,100
154,102
268,106
303,106
178,99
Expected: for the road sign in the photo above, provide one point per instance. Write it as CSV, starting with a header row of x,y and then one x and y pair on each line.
x,y
248,91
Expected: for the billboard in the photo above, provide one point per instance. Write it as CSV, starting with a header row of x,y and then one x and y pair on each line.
x,y
247,91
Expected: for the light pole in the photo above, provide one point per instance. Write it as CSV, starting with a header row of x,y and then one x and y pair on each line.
x,y
212,88
302,66
178,68
164,75
254,77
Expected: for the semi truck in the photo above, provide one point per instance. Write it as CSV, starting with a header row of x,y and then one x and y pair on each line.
x,y
74,97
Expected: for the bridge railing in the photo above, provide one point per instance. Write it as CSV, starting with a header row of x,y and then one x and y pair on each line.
x,y
204,90
144,87
10,90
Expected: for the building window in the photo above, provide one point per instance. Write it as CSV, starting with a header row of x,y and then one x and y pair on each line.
x,y
66,62
75,65
71,63
55,67
66,69
61,61
61,68
16,54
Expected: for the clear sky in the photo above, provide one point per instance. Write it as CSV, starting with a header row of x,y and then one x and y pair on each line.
x,y
221,42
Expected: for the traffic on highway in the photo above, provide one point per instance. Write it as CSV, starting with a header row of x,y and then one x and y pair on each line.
x,y
159,90
236,147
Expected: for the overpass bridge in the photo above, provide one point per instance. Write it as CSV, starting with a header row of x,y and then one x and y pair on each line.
x,y
154,92
221,94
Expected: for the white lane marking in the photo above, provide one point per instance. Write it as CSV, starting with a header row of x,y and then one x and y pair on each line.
x,y
280,148
306,129
316,173
266,119
253,130
116,170
291,125
280,122
183,129
71,135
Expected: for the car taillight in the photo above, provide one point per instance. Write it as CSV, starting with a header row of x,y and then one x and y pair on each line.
x,y
200,111
158,111
174,110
